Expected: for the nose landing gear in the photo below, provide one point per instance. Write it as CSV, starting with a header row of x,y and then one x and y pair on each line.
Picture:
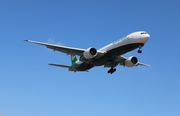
x,y
140,51
112,70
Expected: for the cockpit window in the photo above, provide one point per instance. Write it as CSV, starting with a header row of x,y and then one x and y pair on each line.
x,y
143,33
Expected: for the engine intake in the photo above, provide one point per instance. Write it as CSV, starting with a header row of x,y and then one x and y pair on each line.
x,y
90,53
131,61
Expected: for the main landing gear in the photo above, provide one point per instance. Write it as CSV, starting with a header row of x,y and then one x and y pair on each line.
x,y
112,70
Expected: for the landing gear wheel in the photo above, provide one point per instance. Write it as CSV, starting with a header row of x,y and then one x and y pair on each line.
x,y
112,70
140,51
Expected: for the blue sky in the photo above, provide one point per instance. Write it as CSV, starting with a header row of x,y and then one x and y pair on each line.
x,y
29,87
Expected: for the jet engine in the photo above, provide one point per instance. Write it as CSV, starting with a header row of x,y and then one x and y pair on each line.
x,y
131,61
90,53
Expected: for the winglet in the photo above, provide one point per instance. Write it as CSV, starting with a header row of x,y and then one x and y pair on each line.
x,y
30,41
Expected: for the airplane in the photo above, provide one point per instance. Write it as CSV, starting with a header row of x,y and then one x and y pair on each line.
x,y
108,56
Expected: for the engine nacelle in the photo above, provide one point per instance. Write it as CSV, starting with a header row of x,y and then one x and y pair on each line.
x,y
131,61
90,53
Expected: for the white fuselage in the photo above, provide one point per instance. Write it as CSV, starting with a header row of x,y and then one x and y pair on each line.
x,y
136,38
133,38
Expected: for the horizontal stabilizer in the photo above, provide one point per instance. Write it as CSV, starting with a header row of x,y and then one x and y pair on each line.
x,y
60,65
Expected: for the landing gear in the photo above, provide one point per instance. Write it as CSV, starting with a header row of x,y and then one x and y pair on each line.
x,y
140,51
112,70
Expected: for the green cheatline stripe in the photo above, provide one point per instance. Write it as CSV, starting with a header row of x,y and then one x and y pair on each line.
x,y
119,40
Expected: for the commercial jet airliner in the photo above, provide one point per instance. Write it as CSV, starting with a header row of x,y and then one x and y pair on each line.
x,y
108,56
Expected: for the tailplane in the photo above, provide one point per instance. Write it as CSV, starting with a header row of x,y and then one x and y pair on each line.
x,y
60,65
73,61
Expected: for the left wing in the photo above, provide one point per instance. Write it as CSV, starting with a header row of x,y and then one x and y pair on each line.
x,y
64,49
121,60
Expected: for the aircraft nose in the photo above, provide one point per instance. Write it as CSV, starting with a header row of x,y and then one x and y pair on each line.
x,y
148,36
145,37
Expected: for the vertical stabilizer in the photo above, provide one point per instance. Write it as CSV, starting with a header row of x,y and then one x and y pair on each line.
x,y
73,59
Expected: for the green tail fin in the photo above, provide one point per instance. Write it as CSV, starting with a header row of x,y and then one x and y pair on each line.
x,y
73,59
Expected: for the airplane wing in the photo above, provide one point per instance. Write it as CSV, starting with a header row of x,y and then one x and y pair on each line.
x,y
142,64
121,60
64,49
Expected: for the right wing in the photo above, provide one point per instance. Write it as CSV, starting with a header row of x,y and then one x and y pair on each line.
x,y
64,49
